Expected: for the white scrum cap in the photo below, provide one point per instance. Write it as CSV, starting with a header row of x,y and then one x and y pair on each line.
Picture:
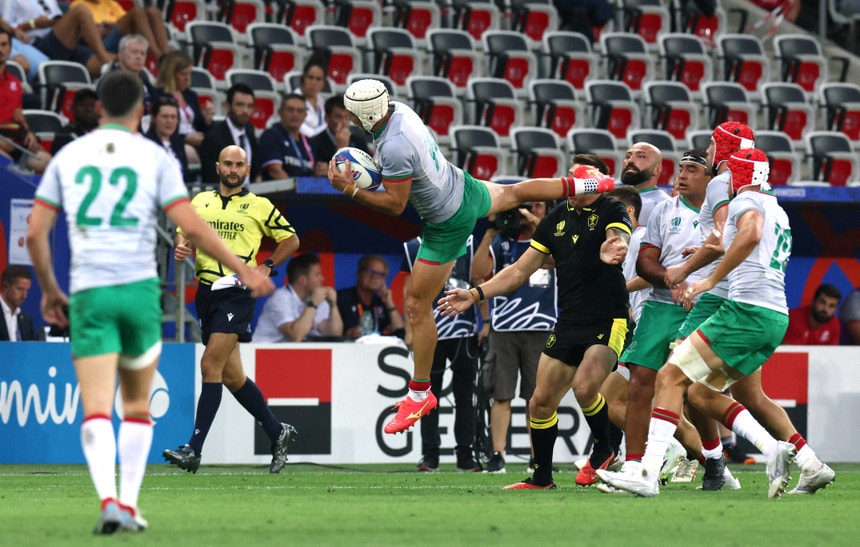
x,y
368,100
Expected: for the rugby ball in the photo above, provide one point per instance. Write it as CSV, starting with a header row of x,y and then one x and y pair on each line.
x,y
366,172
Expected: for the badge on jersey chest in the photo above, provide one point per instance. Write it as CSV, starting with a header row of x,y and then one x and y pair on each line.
x,y
675,225
559,229
592,221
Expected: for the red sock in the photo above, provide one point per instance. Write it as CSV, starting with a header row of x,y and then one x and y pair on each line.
x,y
419,385
711,445
797,440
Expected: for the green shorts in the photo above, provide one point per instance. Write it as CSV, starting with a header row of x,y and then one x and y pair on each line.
x,y
657,328
446,241
123,319
744,335
706,306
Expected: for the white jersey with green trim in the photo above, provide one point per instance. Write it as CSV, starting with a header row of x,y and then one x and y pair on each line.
x,y
111,184
716,196
760,279
406,148
674,226
651,197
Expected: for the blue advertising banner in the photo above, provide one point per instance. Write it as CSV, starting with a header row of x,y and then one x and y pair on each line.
x,y
41,414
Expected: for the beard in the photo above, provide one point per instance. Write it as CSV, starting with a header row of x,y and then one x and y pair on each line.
x,y
821,316
637,177
239,182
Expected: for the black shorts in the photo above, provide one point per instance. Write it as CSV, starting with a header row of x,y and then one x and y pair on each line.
x,y
227,310
51,46
568,342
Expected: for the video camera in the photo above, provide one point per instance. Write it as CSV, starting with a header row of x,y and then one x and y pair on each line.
x,y
509,223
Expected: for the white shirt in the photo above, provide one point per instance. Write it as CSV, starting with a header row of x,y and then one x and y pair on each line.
x,y
673,226
16,12
282,307
314,123
11,320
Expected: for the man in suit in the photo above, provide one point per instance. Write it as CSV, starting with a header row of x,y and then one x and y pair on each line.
x,y
235,129
337,134
16,325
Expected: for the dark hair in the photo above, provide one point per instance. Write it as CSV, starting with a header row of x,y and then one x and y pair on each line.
x,y
828,290
120,93
83,94
301,265
238,88
699,156
629,196
13,272
7,33
161,102
335,101
592,160
317,59
289,96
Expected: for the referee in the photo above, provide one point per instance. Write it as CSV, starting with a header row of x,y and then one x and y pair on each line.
x,y
242,219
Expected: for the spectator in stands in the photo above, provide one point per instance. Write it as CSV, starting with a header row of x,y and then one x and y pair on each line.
x,y
849,314
816,324
519,324
162,131
43,24
16,325
641,169
22,53
789,8
85,118
368,307
284,151
311,88
458,343
174,79
13,125
132,59
583,15
284,317
115,22
234,129
338,133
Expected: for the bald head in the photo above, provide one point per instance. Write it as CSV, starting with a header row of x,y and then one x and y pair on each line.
x,y
642,165
232,167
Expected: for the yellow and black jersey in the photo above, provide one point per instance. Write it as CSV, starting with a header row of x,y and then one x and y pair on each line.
x,y
242,220
588,288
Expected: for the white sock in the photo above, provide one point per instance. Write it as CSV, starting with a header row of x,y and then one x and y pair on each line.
x,y
806,459
135,438
418,395
99,445
713,454
660,434
747,427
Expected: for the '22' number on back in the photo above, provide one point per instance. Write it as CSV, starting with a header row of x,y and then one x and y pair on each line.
x,y
117,220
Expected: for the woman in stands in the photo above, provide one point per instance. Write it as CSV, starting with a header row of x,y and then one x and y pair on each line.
x,y
311,88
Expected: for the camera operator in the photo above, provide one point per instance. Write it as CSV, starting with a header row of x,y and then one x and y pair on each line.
x,y
519,323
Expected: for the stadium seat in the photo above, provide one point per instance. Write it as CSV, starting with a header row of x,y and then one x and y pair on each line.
x,y
534,18
453,56
669,106
831,158
686,59
801,60
568,56
178,13
241,13
647,18
392,51
203,83
59,81
18,71
509,57
787,109
214,47
476,150
727,102
538,153
841,105
555,105
266,97
418,18
339,49
699,139
668,150
600,142
476,16
357,16
784,161
301,14
434,99
627,59
386,81
45,125
494,104
276,49
743,60
709,29
611,106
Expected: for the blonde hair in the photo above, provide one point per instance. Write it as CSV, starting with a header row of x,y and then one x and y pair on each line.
x,y
171,63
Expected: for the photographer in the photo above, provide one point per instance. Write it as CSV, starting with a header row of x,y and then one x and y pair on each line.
x,y
519,322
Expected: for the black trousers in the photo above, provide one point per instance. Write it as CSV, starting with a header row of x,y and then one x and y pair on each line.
x,y
463,354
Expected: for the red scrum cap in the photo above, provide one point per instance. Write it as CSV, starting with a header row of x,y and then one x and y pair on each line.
x,y
749,168
730,137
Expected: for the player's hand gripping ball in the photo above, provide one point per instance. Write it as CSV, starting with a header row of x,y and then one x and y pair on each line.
x,y
366,172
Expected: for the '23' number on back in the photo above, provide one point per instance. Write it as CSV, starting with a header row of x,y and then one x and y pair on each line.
x,y
117,176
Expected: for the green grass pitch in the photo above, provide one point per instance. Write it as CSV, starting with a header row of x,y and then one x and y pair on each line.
x,y
393,505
